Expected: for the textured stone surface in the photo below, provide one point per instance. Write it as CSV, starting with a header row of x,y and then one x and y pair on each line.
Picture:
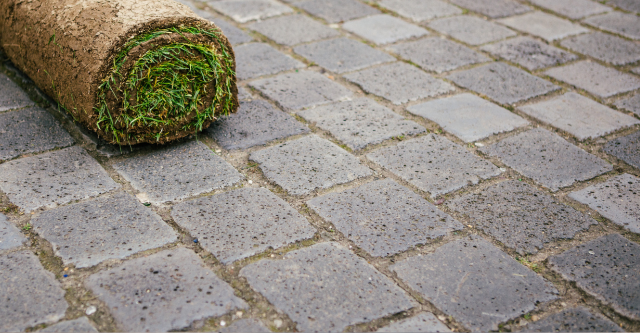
x,y
53,178
547,158
630,5
342,55
595,78
79,325
420,10
256,123
119,227
177,172
235,35
423,322
627,25
384,218
293,29
529,53
307,164
521,217
630,103
475,282
257,59
336,11
383,29
503,83
247,10
468,116
493,8
606,268
238,224
326,288
246,326
30,294
438,55
626,148
243,95
544,25
579,115
434,164
471,30
11,96
573,9
573,320
360,122
10,236
605,47
164,291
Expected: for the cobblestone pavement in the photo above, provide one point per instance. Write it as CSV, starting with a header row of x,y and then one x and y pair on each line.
x,y
395,165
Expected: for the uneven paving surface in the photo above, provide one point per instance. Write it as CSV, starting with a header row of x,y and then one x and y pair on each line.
x,y
427,165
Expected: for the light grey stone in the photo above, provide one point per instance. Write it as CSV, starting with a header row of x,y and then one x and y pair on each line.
x,y
438,55
243,94
420,10
336,11
626,148
293,29
342,55
12,96
383,29
573,320
257,59
234,34
80,325
493,8
471,30
631,103
529,53
573,9
630,5
627,25
10,236
246,326
605,47
423,322
543,25
599,80
636,70
248,10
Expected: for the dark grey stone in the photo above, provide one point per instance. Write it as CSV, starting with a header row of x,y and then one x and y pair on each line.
x,y
631,103
234,34
573,9
383,29
248,10
573,320
80,325
543,25
164,291
342,55
423,322
434,164
471,30
246,326
529,53
630,5
11,96
493,8
10,236
325,288
547,158
257,59
238,224
293,29
256,123
627,25
605,47
599,80
606,268
626,148
438,55
420,10
384,218
336,11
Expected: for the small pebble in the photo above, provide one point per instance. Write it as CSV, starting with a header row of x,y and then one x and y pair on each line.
x,y
479,144
250,181
91,310
278,323
222,323
239,314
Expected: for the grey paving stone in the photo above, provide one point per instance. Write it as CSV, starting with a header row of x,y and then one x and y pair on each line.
x,y
293,29
529,53
475,282
295,91
248,10
342,55
53,178
503,83
627,25
79,325
547,158
164,291
238,224
543,25
399,82
384,218
10,236
606,268
384,29
12,96
579,115
599,80
471,29
336,11
30,130
434,164
255,123
234,34
626,148
30,294
325,288
360,122
243,94
246,325
423,322
630,5
468,117
119,227
636,70
420,10
573,9
307,164
573,320
493,8
605,47
257,59
631,103
521,217
177,172
438,55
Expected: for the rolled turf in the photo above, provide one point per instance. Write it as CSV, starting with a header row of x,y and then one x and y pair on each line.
x,y
133,71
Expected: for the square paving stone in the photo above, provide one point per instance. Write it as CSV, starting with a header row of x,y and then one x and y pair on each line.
x,y
336,11
547,158
86,234
399,82
384,218
434,164
626,148
471,30
30,294
630,5
468,116
630,104
438,55
234,34
243,94
543,25
599,80
573,320
423,322
360,122
238,224
520,216
246,325
256,123
493,8
164,291
606,268
307,164
383,29
257,59
503,83
573,9
295,91
12,96
54,178
325,288
342,55
529,53
476,283
579,115
605,47
293,29
30,130
10,236
247,10
627,25
80,325
178,172
420,10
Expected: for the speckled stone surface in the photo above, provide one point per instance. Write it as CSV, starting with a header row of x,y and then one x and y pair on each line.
x,y
595,78
336,11
420,10
630,5
246,326
630,103
627,25
493,8
605,47
573,320
573,9
626,148
235,35
543,25
471,30
293,29
437,55
342,55
10,236
79,325
258,59
384,29
423,322
12,96
248,10
529,53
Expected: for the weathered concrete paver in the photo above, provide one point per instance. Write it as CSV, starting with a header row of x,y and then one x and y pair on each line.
x,y
235,35
529,53
257,59
12,96
493,8
246,325
383,29
342,55
293,29
573,320
336,11
80,325
573,9
630,103
10,236
420,10
475,282
627,25
543,25
595,78
164,291
325,288
438,55
471,30
630,5
605,47
626,148
423,322
248,10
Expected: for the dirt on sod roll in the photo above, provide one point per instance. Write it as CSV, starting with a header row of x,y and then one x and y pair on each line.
x,y
133,71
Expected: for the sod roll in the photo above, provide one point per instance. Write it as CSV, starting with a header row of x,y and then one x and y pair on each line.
x,y
133,71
